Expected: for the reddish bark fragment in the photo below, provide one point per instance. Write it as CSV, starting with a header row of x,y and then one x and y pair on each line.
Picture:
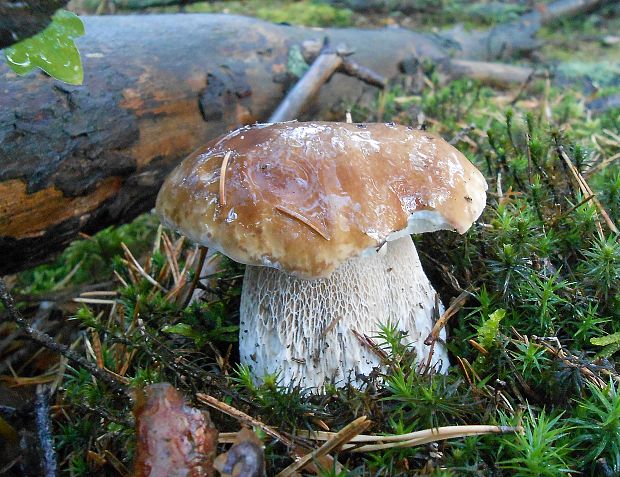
x,y
173,439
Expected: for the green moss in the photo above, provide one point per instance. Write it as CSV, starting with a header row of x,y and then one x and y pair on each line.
x,y
90,259
305,12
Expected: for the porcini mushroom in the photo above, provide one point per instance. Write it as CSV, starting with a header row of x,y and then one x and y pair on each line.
x,y
322,214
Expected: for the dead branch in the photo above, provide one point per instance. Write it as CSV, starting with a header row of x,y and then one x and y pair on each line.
x,y
44,432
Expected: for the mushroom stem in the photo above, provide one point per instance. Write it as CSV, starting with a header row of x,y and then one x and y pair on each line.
x,y
304,329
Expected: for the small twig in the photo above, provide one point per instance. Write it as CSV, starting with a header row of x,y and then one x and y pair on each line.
x,y
44,432
370,344
9,465
46,341
99,293
455,306
94,301
569,211
328,62
368,76
440,434
243,417
336,440
171,258
223,178
487,72
330,325
68,277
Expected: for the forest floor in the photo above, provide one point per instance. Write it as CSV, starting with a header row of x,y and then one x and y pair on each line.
x,y
534,343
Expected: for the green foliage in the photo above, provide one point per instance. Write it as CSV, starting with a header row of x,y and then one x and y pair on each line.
x,y
419,400
90,259
53,50
610,342
542,450
489,329
598,424
287,406
601,266
204,323
304,12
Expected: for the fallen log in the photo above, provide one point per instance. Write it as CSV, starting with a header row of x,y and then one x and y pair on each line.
x,y
20,20
518,37
79,158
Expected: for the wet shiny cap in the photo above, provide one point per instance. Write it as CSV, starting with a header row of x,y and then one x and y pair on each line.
x,y
304,197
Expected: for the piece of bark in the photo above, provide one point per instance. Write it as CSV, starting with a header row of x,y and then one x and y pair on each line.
x,y
80,158
173,439
25,18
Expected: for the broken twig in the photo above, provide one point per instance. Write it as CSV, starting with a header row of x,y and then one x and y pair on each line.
x,y
44,432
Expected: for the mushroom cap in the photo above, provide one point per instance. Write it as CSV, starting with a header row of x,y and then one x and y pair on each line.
x,y
304,197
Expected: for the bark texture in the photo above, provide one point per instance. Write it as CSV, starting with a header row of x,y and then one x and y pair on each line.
x,y
20,19
79,158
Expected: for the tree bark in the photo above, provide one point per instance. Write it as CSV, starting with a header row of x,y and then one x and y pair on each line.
x,y
25,18
80,158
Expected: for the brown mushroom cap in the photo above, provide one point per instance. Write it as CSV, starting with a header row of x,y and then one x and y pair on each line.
x,y
303,197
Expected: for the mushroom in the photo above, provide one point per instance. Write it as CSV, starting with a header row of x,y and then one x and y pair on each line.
x,y
321,213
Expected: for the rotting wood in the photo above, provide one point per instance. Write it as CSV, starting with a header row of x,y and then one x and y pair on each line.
x,y
20,20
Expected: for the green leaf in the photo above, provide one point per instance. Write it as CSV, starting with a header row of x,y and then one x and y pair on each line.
x,y
53,50
487,332
606,340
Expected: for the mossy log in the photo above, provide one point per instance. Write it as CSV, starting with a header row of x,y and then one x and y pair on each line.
x,y
23,19
79,158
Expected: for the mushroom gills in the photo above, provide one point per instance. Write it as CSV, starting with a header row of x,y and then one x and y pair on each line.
x,y
302,330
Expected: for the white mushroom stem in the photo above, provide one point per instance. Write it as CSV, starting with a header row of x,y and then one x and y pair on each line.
x,y
304,329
